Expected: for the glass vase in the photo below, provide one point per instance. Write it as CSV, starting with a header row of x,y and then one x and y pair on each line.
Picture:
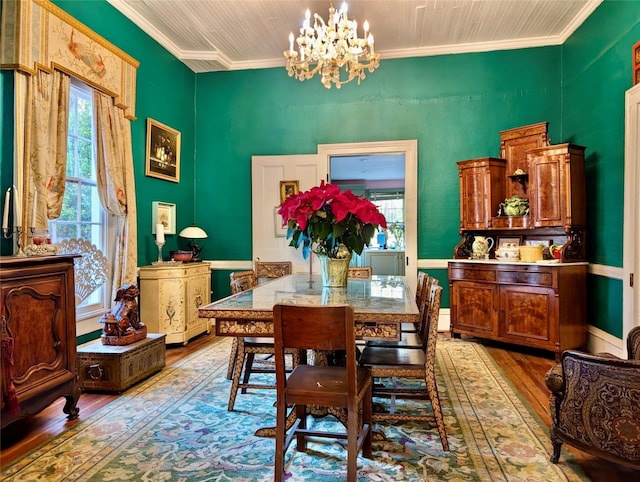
x,y
334,271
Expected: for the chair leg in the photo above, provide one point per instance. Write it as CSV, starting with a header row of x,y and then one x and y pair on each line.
x,y
248,366
281,419
367,418
352,444
301,416
237,371
432,391
232,358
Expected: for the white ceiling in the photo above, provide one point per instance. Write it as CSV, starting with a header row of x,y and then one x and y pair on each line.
x,y
214,35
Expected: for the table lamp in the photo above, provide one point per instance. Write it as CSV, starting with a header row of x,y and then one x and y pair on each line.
x,y
193,233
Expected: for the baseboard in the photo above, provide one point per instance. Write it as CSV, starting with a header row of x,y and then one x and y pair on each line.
x,y
444,319
602,342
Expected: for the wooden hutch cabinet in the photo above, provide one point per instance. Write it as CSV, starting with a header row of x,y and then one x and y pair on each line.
x,y
38,336
170,295
539,304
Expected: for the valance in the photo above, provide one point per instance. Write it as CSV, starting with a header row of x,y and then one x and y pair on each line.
x,y
36,34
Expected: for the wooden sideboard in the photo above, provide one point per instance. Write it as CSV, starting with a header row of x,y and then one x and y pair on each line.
x,y
38,336
538,305
170,295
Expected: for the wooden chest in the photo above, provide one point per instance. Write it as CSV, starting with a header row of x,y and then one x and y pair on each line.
x,y
112,368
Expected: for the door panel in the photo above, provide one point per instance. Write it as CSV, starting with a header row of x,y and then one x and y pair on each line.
x,y
269,240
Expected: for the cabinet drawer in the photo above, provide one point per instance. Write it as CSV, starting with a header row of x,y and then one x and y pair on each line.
x,y
540,278
473,274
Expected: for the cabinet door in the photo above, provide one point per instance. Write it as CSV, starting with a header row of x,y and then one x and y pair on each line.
x,y
481,191
529,315
548,194
198,288
172,309
474,307
36,320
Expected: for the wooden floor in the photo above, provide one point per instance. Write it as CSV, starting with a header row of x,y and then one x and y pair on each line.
x,y
525,368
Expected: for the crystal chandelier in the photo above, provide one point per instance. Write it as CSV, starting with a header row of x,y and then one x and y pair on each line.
x,y
332,49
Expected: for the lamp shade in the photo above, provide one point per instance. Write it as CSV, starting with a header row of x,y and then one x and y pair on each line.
x,y
193,232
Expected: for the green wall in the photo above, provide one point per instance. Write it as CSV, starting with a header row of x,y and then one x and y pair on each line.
x,y
6,145
596,72
454,105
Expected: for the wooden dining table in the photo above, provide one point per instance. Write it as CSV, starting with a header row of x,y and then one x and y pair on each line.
x,y
380,304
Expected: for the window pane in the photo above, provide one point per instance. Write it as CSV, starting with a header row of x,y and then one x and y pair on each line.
x,y
71,149
70,202
87,211
84,158
84,118
64,231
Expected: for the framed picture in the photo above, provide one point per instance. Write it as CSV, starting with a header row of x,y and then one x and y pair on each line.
x,y
280,231
163,213
538,242
511,242
163,152
287,188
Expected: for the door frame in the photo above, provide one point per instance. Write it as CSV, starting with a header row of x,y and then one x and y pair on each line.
x,y
631,248
410,150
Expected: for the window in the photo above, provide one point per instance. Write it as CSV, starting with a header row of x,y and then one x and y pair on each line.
x,y
391,205
82,214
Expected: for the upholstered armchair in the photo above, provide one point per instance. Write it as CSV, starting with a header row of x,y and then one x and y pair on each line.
x,y
595,403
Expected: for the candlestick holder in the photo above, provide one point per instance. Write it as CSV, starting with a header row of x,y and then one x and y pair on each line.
x,y
159,245
18,231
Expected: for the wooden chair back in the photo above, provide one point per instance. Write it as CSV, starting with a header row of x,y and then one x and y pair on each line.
x,y
359,272
431,326
242,281
272,269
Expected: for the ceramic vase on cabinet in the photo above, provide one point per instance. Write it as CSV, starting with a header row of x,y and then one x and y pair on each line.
x,y
335,271
481,246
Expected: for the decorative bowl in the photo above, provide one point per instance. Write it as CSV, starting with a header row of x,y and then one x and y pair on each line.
x,y
182,255
512,254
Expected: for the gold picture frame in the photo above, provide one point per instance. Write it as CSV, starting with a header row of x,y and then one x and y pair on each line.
x,y
287,188
163,152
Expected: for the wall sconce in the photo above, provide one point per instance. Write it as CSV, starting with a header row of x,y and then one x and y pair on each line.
x,y
193,233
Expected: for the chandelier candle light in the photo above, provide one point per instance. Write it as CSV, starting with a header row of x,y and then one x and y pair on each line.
x,y
331,49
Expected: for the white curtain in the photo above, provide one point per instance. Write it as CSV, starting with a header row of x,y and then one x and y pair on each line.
x,y
116,185
46,143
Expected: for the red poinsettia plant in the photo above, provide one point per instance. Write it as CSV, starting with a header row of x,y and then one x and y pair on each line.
x,y
329,221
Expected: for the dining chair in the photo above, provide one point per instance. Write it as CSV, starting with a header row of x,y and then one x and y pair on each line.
x,y
414,340
244,349
320,328
266,270
359,272
408,327
390,365
239,281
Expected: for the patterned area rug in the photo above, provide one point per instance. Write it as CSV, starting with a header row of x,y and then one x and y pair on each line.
x,y
175,427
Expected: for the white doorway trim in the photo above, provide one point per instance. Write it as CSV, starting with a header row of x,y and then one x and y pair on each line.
x,y
631,250
410,150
